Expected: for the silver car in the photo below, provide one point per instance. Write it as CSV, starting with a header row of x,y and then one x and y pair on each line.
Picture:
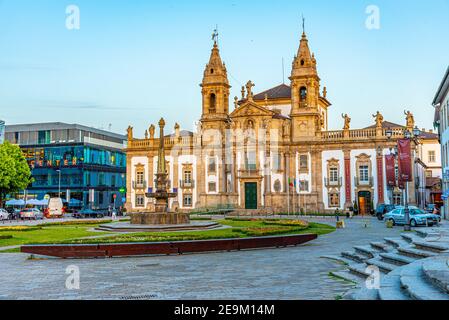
x,y
31,214
3,214
418,217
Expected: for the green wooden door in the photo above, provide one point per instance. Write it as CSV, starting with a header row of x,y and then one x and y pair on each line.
x,y
250,195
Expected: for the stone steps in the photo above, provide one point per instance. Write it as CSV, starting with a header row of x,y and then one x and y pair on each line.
x,y
415,283
381,246
397,242
354,256
359,269
390,287
383,266
365,294
431,246
396,259
349,276
367,251
410,237
416,253
339,259
437,272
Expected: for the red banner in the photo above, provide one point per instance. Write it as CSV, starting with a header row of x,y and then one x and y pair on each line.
x,y
405,162
390,170
380,179
348,180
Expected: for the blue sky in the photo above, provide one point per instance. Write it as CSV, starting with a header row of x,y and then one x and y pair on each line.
x,y
134,61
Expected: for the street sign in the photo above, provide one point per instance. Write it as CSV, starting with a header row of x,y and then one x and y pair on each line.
x,y
47,197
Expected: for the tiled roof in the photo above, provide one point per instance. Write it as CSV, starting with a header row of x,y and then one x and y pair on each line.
x,y
428,135
386,125
282,91
182,133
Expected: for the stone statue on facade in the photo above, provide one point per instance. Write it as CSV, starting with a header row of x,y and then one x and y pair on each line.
x,y
130,133
347,121
379,119
249,90
410,119
151,130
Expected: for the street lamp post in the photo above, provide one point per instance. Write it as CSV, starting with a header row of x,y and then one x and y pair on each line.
x,y
409,136
59,184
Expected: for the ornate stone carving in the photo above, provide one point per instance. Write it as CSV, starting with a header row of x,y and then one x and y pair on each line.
x,y
347,120
379,119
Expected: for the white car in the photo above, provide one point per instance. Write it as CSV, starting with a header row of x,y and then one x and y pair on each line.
x,y
3,214
31,214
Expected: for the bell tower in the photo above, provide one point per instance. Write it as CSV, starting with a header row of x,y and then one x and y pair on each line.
x,y
215,88
306,112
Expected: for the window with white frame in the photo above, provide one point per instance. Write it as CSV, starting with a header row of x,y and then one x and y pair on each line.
x,y
187,200
277,161
364,173
333,174
212,166
431,156
303,162
140,200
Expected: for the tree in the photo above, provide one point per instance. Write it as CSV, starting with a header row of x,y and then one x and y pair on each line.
x,y
15,174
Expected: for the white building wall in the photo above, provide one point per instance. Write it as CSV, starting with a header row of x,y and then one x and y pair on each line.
x,y
184,160
212,177
326,156
424,156
444,129
372,153
135,161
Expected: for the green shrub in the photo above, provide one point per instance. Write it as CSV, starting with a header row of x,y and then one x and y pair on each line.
x,y
6,236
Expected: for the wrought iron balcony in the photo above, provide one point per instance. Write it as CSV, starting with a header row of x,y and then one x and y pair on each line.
x,y
187,184
364,183
333,183
140,184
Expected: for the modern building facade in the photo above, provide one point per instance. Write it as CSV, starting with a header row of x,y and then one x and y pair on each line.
x,y
81,164
441,105
272,151
2,131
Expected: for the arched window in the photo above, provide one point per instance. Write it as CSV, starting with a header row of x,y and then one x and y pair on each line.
x,y
212,103
303,93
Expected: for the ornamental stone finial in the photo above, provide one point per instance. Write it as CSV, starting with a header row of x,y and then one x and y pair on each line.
x,y
161,123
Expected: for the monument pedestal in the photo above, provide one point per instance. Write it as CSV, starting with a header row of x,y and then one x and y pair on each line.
x,y
160,218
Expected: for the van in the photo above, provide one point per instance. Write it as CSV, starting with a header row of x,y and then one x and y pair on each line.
x,y
55,206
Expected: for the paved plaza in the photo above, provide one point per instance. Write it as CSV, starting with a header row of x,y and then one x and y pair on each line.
x,y
289,273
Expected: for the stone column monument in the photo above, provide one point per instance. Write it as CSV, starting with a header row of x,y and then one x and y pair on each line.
x,y
162,214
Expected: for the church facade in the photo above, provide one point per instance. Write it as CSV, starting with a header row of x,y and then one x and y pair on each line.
x,y
272,152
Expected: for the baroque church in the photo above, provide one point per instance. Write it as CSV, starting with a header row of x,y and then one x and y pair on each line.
x,y
272,153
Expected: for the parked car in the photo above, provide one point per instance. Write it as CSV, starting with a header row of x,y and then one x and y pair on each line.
x,y
31,214
4,215
417,217
382,209
87,213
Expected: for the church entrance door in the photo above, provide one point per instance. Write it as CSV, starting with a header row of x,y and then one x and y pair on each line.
x,y
251,195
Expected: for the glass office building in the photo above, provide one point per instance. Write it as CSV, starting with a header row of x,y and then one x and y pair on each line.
x,y
82,164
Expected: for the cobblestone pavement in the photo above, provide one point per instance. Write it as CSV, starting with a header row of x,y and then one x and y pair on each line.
x,y
289,273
